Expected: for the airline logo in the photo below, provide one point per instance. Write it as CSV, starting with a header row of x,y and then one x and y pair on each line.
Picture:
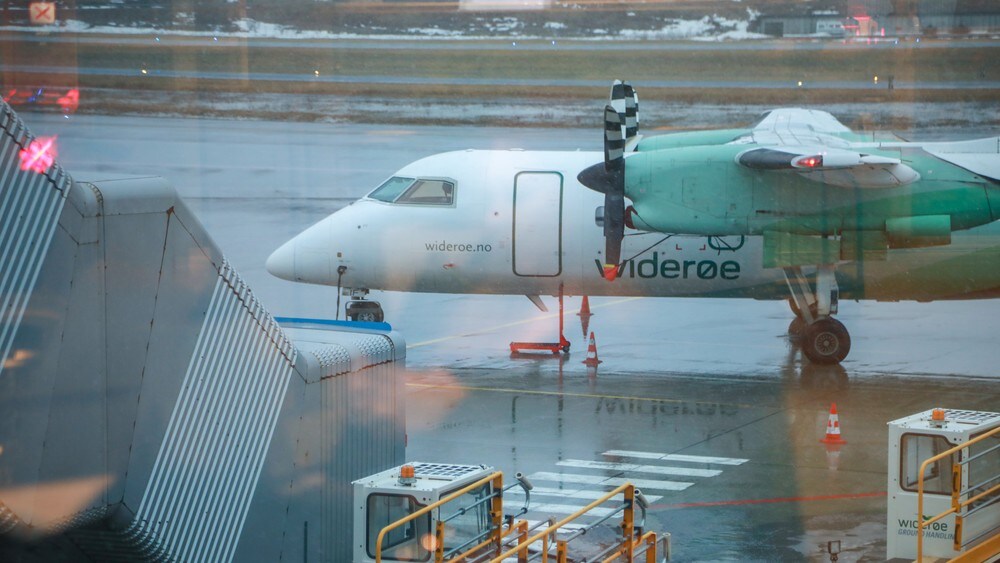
x,y
671,269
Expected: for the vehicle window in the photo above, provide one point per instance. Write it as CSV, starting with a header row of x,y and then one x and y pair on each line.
x,y
467,527
404,543
429,192
918,448
984,469
391,188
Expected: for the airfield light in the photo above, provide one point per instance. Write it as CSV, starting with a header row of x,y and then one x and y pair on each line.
x,y
875,79
39,155
316,72
143,71
800,83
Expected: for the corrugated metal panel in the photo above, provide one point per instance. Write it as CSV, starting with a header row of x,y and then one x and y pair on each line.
x,y
363,425
210,458
30,204
8,520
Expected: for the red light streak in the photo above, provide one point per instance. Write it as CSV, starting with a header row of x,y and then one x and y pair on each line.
x,y
70,101
39,155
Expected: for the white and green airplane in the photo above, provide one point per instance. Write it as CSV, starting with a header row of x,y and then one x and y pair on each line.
x,y
794,207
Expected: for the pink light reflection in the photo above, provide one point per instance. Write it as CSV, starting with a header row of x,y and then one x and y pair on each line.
x,y
39,155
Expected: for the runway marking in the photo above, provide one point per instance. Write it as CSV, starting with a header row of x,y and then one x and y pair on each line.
x,y
676,457
570,509
515,323
565,529
847,496
571,494
564,394
644,484
658,469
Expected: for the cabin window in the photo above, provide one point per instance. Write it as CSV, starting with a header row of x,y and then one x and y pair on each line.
x,y
917,448
403,543
415,191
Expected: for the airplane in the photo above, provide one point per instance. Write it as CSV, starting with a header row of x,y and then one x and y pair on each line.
x,y
794,207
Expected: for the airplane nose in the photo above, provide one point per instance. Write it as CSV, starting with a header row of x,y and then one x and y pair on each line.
x,y
281,262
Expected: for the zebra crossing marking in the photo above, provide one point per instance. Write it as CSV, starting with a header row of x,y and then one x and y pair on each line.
x,y
676,457
573,494
644,484
657,469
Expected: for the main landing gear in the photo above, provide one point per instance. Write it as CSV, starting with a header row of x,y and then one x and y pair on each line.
x,y
824,339
360,309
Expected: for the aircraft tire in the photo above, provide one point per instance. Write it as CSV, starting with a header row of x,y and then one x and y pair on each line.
x,y
797,328
365,311
826,341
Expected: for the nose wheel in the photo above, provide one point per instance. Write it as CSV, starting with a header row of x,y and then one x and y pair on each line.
x,y
364,311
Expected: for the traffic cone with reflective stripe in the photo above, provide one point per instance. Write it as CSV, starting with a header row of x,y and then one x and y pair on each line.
x,y
833,428
592,353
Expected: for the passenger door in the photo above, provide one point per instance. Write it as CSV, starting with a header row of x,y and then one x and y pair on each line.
x,y
537,231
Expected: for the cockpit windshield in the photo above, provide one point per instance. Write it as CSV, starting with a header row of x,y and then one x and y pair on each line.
x,y
415,191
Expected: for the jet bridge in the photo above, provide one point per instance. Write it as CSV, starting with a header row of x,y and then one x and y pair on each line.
x,y
151,409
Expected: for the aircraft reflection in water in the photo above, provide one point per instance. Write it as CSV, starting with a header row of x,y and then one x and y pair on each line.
x,y
795,207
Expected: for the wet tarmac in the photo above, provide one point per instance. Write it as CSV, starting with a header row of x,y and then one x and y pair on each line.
x,y
704,402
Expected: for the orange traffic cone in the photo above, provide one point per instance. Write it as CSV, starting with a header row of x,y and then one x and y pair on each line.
x,y
592,353
833,428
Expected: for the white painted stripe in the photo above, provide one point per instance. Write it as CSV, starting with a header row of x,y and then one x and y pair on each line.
x,y
676,457
598,511
566,493
644,484
571,527
657,469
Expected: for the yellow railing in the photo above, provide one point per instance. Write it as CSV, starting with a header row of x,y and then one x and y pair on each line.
x,y
627,546
630,546
496,513
956,487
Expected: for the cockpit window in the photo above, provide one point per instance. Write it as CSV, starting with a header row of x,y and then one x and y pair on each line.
x,y
433,192
391,188
415,191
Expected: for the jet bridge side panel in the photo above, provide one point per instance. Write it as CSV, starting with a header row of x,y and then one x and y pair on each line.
x,y
150,407
30,205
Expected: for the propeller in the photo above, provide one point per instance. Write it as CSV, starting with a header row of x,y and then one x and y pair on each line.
x,y
609,179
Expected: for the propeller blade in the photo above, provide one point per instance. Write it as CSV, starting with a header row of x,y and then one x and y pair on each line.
x,y
631,112
614,192
609,178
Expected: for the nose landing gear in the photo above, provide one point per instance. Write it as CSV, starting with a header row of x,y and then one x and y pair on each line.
x,y
360,309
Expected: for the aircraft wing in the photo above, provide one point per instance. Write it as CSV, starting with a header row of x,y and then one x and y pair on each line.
x,y
979,156
809,142
797,126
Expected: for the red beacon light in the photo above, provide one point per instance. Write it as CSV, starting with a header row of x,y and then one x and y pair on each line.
x,y
811,161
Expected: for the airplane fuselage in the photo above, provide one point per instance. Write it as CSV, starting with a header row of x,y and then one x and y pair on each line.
x,y
521,223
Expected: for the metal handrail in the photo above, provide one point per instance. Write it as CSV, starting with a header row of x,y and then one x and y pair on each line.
x,y
547,532
428,508
956,505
